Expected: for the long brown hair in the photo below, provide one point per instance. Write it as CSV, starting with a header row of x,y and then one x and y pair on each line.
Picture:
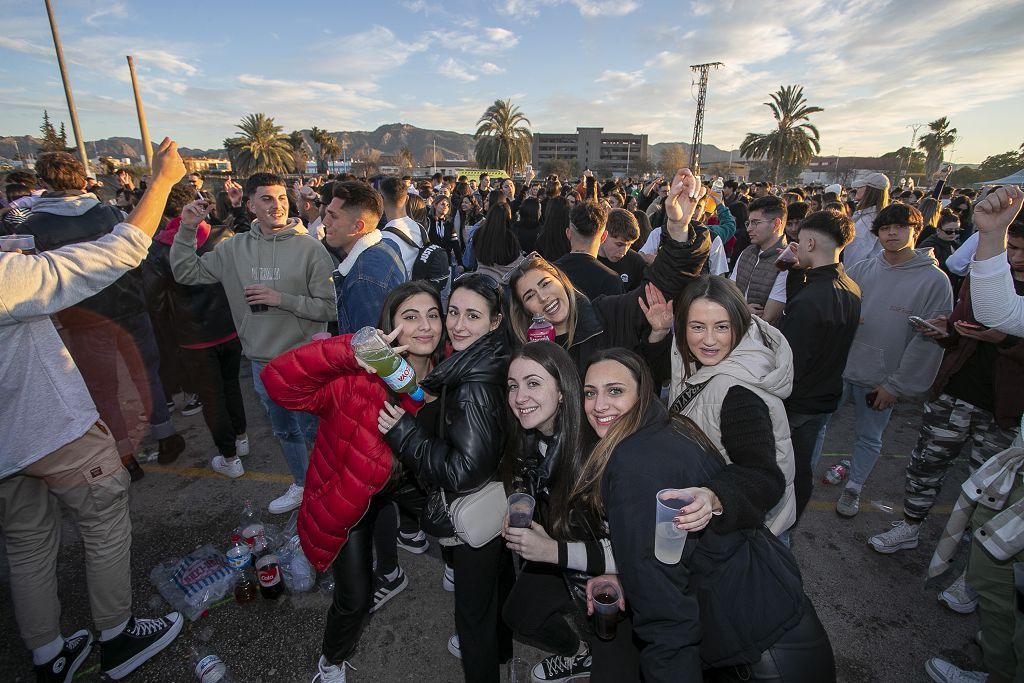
x,y
519,317
723,292
873,197
587,489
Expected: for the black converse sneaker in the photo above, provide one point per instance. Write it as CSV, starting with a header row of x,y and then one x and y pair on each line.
x,y
63,667
388,589
137,643
557,668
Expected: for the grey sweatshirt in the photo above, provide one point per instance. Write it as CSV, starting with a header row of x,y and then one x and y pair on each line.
x,y
45,403
886,350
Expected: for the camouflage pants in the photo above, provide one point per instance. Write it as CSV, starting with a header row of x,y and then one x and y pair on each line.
x,y
948,424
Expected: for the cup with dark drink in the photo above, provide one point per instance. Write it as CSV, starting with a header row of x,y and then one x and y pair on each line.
x,y
606,609
256,308
787,259
26,244
520,510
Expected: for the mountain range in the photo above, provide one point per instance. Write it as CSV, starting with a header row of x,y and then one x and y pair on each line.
x,y
386,140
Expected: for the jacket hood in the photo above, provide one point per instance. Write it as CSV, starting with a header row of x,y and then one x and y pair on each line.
x,y
71,205
292,228
588,325
485,361
763,359
923,258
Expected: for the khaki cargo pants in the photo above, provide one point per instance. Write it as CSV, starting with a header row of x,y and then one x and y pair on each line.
x,y
87,477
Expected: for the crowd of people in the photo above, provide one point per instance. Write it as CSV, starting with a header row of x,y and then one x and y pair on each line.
x,y
592,344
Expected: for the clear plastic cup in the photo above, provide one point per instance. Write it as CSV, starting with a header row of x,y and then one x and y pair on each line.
x,y
606,609
25,243
520,510
668,540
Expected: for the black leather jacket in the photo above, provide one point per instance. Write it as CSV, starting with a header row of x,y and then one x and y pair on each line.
x,y
465,448
198,313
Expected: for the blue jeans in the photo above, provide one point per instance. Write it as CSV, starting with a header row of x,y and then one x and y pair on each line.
x,y
294,429
869,425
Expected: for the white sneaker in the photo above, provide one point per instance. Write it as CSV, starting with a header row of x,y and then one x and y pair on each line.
x,y
291,499
453,646
448,579
960,597
942,671
329,673
242,445
902,536
229,468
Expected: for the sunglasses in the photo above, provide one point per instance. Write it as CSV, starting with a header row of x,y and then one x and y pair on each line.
x,y
489,282
526,264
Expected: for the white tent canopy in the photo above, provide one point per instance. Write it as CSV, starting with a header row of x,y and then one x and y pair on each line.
x,y
1012,179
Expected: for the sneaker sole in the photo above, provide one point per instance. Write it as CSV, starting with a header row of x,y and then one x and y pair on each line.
x,y
958,607
574,677
70,674
890,549
455,652
392,593
192,411
447,585
229,475
241,452
276,510
119,672
847,515
414,549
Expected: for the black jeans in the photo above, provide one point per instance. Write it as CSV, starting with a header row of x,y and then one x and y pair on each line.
x,y
353,574
805,431
483,579
802,655
535,610
215,373
409,500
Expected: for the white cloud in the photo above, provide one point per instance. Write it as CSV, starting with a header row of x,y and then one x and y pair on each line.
x,y
471,41
490,69
113,10
621,79
501,38
587,8
456,70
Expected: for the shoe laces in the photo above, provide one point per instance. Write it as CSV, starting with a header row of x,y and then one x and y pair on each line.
x,y
328,675
147,627
560,664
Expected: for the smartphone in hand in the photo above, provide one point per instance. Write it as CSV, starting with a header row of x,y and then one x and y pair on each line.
x,y
921,322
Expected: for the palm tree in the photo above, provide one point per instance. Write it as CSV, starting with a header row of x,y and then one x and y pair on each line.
x,y
261,148
327,148
792,142
940,137
299,152
502,139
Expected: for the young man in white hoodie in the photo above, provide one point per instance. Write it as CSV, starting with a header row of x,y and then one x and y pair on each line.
x,y
889,359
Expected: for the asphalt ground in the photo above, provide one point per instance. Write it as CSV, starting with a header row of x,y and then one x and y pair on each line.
x,y
883,621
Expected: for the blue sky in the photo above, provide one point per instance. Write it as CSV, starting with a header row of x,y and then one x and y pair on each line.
x,y
875,65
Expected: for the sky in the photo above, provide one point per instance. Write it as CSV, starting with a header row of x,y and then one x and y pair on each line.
x,y
876,66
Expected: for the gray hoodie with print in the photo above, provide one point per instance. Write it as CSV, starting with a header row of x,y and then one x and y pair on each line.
x,y
887,350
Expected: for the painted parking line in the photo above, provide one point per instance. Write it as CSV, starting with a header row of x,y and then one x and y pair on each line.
x,y
268,477
272,478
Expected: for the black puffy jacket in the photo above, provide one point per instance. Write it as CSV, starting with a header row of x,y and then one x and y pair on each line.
x,y
473,419
199,314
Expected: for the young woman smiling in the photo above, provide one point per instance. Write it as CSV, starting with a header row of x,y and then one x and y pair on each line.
x,y
352,475
584,327
455,443
733,608
563,547
730,375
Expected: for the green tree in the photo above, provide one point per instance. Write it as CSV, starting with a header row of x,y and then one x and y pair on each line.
x,y
906,160
62,136
558,167
327,148
795,139
503,137
671,159
299,153
51,140
933,143
261,148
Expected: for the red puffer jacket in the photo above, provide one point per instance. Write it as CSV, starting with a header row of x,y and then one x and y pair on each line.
x,y
350,461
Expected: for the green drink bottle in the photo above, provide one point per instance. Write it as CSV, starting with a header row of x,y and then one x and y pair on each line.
x,y
396,372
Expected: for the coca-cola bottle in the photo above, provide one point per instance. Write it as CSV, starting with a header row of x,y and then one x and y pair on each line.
x,y
540,330
268,568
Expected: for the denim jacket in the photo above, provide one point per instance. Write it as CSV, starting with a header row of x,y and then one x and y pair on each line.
x,y
376,270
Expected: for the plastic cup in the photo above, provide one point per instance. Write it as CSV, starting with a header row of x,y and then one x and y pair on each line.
x,y
26,243
787,259
520,510
606,609
668,540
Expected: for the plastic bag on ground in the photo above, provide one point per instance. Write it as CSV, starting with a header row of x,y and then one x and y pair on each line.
x,y
298,574
191,584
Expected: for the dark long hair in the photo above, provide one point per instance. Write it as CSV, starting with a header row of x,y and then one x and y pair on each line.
x,y
723,292
494,243
568,433
393,302
552,242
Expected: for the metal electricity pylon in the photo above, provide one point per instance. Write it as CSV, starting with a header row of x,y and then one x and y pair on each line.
x,y
698,121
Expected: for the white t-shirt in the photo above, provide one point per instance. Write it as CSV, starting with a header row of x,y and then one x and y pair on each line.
x,y
717,261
